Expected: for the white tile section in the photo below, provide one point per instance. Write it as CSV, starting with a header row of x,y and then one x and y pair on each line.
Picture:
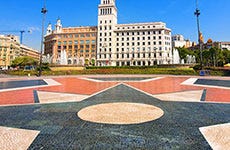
x,y
53,97
218,136
190,81
16,139
187,96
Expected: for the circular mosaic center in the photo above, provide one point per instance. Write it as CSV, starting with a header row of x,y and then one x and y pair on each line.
x,y
120,113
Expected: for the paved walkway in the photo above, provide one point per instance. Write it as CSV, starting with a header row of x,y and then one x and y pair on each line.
x,y
180,111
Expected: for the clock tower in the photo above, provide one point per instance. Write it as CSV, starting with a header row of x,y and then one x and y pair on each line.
x,y
107,21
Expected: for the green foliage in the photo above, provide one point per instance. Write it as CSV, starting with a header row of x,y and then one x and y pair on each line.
x,y
184,52
226,55
45,67
213,57
197,67
93,62
24,61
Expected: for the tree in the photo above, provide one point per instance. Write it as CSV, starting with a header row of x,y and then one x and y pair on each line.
x,y
226,55
24,61
184,52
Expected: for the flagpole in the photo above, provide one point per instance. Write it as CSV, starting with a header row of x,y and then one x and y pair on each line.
x,y
197,14
43,11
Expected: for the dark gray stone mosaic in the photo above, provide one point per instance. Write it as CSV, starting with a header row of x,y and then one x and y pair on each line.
x,y
223,83
20,84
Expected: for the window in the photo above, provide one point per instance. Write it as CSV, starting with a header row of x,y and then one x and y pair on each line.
x,y
87,41
82,42
93,41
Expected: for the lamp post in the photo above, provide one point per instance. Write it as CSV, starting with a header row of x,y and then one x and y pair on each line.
x,y
43,11
197,14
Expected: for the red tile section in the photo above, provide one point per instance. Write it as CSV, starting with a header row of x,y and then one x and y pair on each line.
x,y
218,95
17,97
85,87
173,84
78,86
69,85
164,85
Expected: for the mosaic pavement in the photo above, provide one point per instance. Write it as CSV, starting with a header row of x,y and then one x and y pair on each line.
x,y
128,112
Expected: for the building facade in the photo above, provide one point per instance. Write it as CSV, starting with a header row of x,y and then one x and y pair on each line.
x,y
28,51
139,44
179,41
225,45
70,46
10,49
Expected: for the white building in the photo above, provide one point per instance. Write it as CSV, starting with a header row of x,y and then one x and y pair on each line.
x,y
225,45
179,41
140,44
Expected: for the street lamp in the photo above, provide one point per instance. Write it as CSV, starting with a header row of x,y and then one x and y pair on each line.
x,y
43,11
197,14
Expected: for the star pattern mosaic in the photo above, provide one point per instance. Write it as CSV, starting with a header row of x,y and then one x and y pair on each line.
x,y
60,127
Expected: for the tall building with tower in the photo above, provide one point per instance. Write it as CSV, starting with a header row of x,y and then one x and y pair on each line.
x,y
138,44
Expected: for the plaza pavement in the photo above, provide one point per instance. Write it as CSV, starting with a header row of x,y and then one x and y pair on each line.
x,y
116,112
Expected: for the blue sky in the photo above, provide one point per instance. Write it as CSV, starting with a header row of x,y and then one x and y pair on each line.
x,y
177,14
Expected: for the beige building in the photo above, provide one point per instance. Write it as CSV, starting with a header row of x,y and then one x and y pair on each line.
x,y
10,49
28,51
70,46
179,41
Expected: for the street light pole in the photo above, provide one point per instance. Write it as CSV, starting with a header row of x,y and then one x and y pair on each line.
x,y
197,14
43,11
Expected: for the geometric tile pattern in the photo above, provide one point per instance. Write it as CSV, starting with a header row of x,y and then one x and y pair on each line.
x,y
61,128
